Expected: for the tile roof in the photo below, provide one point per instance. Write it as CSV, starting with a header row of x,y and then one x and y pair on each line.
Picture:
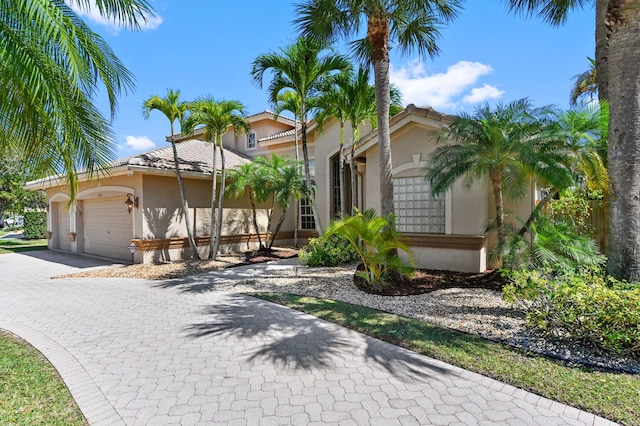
x,y
284,134
194,155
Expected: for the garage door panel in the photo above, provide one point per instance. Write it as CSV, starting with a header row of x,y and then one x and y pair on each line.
x,y
108,228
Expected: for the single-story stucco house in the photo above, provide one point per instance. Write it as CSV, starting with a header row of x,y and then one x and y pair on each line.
x,y
447,232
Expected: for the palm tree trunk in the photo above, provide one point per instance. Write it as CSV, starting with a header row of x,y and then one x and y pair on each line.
x,y
378,35
343,192
255,218
623,91
496,182
214,202
534,213
278,226
218,235
602,49
269,219
183,198
354,178
307,176
297,206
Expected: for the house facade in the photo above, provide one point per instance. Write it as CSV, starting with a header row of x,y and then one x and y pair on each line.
x,y
135,204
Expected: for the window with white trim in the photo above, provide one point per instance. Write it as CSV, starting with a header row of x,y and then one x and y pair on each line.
x,y
307,221
251,140
416,209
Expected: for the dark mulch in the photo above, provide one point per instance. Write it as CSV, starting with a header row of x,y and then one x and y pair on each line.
x,y
261,256
428,280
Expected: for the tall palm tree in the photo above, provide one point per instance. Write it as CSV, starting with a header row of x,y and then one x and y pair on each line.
x,y
333,103
174,109
507,144
52,66
290,101
301,68
216,118
362,108
617,57
407,24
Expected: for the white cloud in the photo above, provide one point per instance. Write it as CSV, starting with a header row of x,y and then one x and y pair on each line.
x,y
481,94
140,143
443,90
93,15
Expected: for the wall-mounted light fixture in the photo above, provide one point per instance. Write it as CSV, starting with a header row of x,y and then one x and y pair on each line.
x,y
132,201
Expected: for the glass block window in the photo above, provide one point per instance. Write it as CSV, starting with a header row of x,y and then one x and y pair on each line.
x,y
416,209
306,215
251,140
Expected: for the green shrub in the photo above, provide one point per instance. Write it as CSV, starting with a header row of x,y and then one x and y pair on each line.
x,y
35,225
376,241
328,250
584,306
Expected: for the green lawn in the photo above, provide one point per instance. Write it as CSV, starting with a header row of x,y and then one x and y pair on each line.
x,y
31,391
13,245
610,395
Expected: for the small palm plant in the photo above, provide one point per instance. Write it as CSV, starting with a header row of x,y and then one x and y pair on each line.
x,y
376,241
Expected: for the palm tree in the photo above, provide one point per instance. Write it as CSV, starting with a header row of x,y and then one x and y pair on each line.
x,y
362,108
300,68
408,24
249,179
52,66
290,101
333,103
508,145
617,57
285,184
216,118
580,134
584,84
174,110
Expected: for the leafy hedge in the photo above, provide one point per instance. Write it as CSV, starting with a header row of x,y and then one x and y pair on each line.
x,y
584,306
333,250
35,225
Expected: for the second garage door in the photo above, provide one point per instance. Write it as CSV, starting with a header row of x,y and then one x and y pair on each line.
x,y
108,228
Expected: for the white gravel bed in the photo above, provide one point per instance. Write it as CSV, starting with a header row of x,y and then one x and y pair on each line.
x,y
476,311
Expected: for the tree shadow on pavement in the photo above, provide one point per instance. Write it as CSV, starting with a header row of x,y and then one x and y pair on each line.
x,y
294,340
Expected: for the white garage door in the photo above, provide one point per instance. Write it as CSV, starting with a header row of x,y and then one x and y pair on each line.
x,y
108,228
62,225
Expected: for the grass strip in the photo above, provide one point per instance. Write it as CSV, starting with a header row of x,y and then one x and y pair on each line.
x,y
31,391
15,245
611,395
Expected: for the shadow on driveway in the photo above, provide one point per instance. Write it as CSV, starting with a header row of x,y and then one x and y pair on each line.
x,y
296,340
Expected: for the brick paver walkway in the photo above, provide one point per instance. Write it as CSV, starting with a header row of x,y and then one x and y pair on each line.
x,y
139,352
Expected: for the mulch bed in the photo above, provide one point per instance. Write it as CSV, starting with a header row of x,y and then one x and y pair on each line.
x,y
261,256
428,280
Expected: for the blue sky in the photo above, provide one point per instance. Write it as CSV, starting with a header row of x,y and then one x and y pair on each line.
x,y
206,47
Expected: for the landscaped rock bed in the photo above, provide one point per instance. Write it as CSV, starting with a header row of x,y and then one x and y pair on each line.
x,y
471,303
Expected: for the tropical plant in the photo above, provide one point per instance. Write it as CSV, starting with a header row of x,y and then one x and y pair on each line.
x,y
328,250
403,24
300,68
52,66
507,144
581,135
551,242
216,118
174,109
617,36
276,181
584,84
376,241
586,306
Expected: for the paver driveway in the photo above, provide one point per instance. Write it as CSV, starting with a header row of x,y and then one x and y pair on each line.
x,y
141,352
